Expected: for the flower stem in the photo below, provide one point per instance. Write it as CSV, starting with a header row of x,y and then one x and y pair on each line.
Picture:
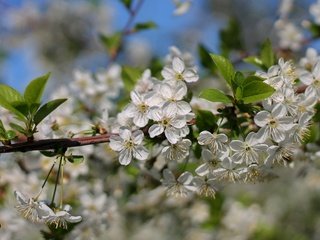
x,y
56,183
61,194
45,181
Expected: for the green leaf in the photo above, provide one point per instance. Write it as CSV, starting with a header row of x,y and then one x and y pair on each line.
x,y
18,128
238,80
12,109
225,67
2,129
10,134
267,55
130,76
256,91
111,43
205,120
49,153
144,26
9,94
46,109
34,91
231,37
76,159
215,95
22,107
205,58
127,3
255,61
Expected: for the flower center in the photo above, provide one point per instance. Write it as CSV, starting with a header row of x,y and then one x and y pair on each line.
x,y
179,76
129,144
143,108
165,122
273,123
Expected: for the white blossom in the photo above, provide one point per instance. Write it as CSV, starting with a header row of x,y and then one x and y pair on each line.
x,y
129,145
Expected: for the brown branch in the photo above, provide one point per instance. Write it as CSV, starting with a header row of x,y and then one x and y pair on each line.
x,y
52,144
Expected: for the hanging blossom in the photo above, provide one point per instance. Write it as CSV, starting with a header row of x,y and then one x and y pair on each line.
x,y
174,126
274,124
178,151
211,162
172,96
182,186
129,145
178,73
249,151
139,108
216,142
312,80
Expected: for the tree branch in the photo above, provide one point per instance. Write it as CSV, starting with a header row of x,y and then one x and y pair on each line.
x,y
52,144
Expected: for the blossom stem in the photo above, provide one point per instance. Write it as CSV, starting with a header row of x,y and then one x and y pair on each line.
x,y
61,194
45,181
56,183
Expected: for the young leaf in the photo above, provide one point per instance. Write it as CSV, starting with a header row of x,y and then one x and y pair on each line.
x,y
49,153
225,67
215,95
205,120
111,43
76,159
10,134
231,37
256,91
34,91
238,80
22,107
267,55
9,94
144,26
255,61
18,128
12,109
205,58
46,109
127,3
130,77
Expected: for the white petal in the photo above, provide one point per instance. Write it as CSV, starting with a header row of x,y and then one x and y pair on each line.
x,y
137,137
202,170
178,65
136,97
279,111
155,130
178,122
140,119
141,153
190,76
262,118
183,107
125,133
116,143
21,198
237,145
168,73
125,156
205,138
185,178
172,135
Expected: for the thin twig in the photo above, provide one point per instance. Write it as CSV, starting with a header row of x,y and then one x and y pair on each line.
x,y
53,144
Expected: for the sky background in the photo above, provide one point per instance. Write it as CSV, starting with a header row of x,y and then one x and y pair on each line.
x,y
197,26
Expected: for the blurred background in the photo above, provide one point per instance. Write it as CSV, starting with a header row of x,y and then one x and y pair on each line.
x,y
39,36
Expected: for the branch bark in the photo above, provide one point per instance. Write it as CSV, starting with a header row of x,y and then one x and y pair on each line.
x,y
52,144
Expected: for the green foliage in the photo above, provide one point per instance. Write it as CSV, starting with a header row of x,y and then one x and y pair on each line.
x,y
26,107
267,55
215,95
144,26
225,68
46,109
231,37
34,91
205,58
127,3
112,43
76,159
266,59
255,91
130,76
205,120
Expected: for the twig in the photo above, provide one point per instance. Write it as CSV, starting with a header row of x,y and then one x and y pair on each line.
x,y
52,144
